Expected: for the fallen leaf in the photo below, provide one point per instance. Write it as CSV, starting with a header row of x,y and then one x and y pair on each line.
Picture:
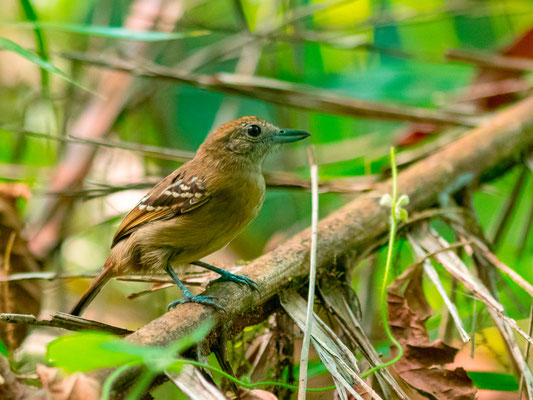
x,y
22,297
422,364
72,387
256,394
14,388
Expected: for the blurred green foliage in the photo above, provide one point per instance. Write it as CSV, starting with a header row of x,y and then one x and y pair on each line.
x,y
386,51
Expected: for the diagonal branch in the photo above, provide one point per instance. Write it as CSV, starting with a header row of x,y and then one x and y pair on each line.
x,y
277,92
353,228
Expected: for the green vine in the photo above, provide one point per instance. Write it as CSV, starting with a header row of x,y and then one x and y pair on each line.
x,y
177,365
398,213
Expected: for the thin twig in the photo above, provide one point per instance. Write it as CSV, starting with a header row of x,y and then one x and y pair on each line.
x,y
526,352
304,355
451,246
153,151
432,274
515,277
64,321
277,92
492,60
50,276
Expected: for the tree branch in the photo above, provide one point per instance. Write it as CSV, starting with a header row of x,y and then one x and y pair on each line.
x,y
278,92
353,228
491,60
63,321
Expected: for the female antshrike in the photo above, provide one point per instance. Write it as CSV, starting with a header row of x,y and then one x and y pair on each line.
x,y
197,209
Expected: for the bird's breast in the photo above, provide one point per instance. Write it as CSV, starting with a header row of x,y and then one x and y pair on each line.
x,y
241,201
229,210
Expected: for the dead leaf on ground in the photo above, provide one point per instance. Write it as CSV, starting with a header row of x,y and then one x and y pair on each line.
x,y
256,394
13,388
72,387
22,297
422,363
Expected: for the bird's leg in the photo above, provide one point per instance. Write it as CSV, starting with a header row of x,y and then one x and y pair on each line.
x,y
226,276
188,297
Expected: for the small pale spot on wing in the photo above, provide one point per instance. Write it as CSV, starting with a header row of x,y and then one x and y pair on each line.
x,y
165,201
177,183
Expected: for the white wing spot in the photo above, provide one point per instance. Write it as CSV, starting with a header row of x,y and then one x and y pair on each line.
x,y
142,206
175,194
198,195
149,208
193,179
184,187
167,192
186,195
177,183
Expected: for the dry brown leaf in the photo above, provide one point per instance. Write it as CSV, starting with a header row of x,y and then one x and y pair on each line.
x,y
72,387
359,389
21,297
422,363
256,394
13,388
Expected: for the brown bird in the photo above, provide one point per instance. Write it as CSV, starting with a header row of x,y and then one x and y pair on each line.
x,y
196,210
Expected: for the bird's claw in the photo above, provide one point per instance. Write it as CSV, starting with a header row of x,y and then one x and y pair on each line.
x,y
207,300
239,279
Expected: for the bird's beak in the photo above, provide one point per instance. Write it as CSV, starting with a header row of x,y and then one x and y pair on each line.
x,y
289,136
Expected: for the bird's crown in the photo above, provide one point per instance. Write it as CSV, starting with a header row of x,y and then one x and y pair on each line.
x,y
248,137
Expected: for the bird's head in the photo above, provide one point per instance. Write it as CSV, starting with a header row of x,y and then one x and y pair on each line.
x,y
248,139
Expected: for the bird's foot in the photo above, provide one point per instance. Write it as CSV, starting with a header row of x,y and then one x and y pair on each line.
x,y
226,276
208,300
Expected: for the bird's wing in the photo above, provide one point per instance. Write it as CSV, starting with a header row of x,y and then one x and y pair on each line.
x,y
174,195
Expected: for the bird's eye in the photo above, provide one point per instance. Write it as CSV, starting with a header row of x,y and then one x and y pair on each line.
x,y
254,130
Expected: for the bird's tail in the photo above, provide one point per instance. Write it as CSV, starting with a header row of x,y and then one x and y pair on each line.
x,y
96,285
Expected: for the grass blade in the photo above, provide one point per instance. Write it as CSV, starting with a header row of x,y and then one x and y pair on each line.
x,y
113,32
8,45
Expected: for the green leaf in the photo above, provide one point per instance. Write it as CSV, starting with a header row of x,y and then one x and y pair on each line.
x,y
493,381
3,349
8,45
114,32
86,351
